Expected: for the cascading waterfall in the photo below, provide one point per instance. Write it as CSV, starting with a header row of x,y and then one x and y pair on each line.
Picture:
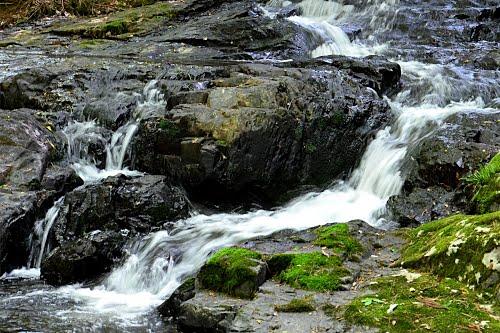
x,y
79,136
162,260
42,228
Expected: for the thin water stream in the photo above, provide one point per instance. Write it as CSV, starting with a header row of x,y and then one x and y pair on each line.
x,y
163,260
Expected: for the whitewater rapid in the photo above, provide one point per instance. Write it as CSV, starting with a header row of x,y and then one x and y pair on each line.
x,y
163,260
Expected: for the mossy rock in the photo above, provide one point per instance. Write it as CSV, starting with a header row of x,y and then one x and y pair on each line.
x,y
235,271
297,305
423,304
123,24
464,247
487,182
338,238
310,271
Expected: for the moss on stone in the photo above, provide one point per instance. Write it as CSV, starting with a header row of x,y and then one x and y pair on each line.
x,y
297,305
487,184
338,238
465,247
123,24
311,271
170,128
232,271
426,304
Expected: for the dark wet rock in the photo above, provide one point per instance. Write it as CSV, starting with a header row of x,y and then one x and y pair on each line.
x,y
208,315
26,149
60,179
242,25
374,71
25,90
443,32
111,111
171,307
17,217
83,259
434,184
97,219
117,203
260,130
423,205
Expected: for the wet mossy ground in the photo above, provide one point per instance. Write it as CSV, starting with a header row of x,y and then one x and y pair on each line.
x,y
311,271
464,247
338,238
120,25
232,271
426,304
297,305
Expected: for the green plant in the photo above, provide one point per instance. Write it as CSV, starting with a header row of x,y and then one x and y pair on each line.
x,y
486,172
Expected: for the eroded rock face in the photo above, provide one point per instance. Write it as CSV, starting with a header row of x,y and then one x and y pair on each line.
x,y
27,148
434,186
261,130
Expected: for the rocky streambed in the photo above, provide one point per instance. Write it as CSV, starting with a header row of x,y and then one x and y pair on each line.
x,y
252,166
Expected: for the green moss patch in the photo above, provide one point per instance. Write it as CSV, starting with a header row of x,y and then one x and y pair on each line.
x,y
233,271
297,305
463,247
311,271
123,24
487,183
338,238
170,128
426,304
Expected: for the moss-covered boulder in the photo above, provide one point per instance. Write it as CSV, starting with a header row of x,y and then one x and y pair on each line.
x,y
234,271
413,302
487,183
463,247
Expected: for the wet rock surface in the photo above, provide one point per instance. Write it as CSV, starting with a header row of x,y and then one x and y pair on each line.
x,y
96,220
27,148
435,185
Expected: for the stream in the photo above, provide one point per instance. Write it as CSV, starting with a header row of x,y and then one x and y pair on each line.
x,y
125,300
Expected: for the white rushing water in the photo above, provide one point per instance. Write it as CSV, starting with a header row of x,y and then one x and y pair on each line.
x,y
163,260
81,134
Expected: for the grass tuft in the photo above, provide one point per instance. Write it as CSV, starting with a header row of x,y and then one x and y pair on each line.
x,y
297,305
